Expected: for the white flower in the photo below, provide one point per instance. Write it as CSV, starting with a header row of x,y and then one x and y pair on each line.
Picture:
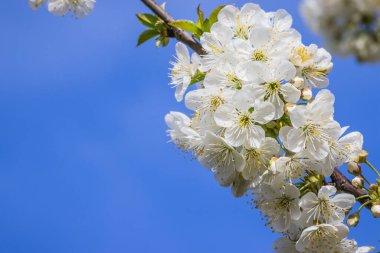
x,y
240,118
284,245
293,167
59,7
343,149
225,76
261,46
218,45
206,101
35,4
272,83
280,205
349,27
182,134
313,65
321,238
183,70
326,208
241,21
351,246
222,159
313,126
257,157
82,8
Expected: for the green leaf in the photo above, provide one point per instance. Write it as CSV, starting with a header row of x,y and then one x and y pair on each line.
x,y
146,35
201,17
214,14
162,41
148,20
186,25
198,77
206,25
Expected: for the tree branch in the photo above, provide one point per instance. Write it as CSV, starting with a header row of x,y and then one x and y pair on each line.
x,y
343,184
340,181
180,34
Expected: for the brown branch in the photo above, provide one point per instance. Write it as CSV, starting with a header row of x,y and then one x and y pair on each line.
x,y
180,34
340,181
343,184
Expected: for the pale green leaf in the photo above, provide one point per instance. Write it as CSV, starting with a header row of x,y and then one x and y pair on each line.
x,y
146,35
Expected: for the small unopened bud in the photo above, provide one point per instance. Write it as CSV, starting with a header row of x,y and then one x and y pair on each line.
x,y
353,220
289,107
373,187
363,156
297,82
375,210
306,94
358,182
35,4
354,168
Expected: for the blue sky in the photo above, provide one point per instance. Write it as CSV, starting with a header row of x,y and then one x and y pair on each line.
x,y
84,161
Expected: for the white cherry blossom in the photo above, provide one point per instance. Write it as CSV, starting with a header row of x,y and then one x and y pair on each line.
x,y
321,238
272,83
280,205
313,65
183,70
222,159
241,117
327,207
313,125
257,157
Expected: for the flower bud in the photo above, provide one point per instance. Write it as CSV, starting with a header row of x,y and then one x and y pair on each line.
x,y
35,4
358,182
289,107
354,168
373,187
375,210
297,82
353,220
306,94
363,156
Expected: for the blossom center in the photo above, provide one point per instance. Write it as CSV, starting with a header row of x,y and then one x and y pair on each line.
x,y
215,102
234,81
245,120
304,53
259,55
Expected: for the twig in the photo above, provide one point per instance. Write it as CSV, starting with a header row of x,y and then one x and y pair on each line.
x,y
343,184
180,34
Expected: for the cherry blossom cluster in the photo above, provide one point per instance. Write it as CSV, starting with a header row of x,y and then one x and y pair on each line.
x,y
257,127
349,26
79,8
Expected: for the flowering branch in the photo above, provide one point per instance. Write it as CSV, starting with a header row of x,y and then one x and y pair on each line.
x,y
257,127
341,182
179,34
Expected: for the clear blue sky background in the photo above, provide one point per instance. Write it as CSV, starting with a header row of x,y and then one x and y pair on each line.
x,y
84,161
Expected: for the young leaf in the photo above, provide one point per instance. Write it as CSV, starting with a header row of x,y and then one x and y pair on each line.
x,y
186,25
198,77
201,16
148,20
214,15
146,35
162,41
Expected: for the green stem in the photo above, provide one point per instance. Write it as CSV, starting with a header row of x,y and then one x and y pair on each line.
x,y
365,179
373,168
362,197
366,203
